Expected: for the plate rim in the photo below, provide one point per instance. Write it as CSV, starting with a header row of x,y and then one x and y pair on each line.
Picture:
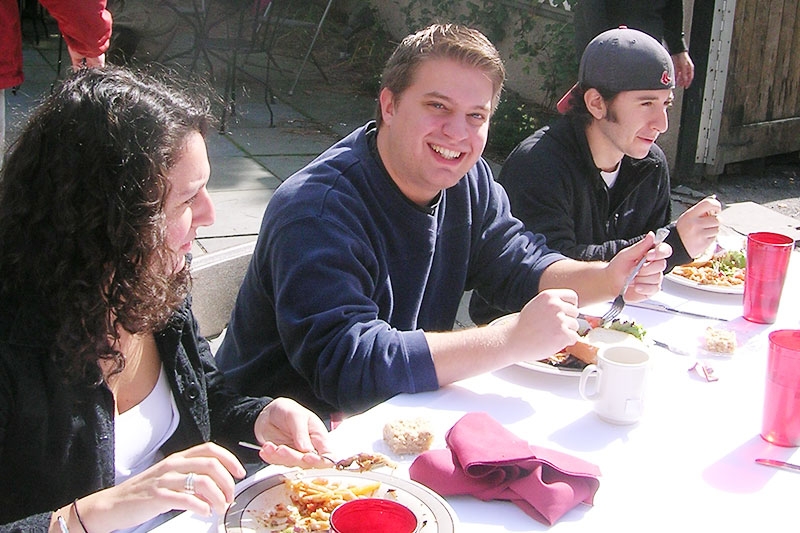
x,y
546,368
427,496
721,289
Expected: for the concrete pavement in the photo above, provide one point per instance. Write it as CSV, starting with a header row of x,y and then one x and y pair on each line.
x,y
251,159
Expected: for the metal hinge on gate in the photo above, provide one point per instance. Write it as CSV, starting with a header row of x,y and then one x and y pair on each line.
x,y
716,78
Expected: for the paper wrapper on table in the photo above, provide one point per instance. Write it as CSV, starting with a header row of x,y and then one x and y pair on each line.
x,y
487,461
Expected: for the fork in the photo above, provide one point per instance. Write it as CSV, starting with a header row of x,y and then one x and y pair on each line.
x,y
619,302
256,447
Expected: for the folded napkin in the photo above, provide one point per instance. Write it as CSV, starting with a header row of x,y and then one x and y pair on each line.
x,y
489,462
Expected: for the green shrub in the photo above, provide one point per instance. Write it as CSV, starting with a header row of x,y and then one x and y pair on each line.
x,y
514,120
536,38
540,34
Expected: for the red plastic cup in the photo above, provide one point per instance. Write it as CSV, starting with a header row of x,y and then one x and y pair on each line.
x,y
767,261
369,515
781,422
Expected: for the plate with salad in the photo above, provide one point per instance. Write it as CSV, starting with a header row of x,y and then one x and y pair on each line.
x,y
723,272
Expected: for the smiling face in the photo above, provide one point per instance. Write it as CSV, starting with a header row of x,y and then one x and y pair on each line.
x,y
188,205
436,130
627,125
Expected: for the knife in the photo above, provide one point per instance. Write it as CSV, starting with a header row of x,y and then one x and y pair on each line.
x,y
778,464
652,306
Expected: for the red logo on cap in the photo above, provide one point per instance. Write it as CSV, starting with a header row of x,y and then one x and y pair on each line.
x,y
665,78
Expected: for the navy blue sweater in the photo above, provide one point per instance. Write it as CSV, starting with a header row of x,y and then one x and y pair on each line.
x,y
347,274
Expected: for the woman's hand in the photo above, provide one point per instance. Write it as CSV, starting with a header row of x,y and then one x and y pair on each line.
x,y
291,435
209,469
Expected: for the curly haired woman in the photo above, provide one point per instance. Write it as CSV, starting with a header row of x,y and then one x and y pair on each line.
x,y
112,411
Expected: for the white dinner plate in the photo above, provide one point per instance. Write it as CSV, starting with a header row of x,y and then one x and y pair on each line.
x,y
547,368
256,501
723,289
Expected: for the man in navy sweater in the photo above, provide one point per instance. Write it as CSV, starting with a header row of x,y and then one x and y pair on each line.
x,y
364,254
595,182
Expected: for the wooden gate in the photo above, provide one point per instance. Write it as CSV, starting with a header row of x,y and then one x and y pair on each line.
x,y
745,102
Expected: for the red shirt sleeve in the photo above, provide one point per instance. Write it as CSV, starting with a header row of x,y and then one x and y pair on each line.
x,y
85,25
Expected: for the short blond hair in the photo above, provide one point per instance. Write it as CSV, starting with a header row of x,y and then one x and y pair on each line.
x,y
442,41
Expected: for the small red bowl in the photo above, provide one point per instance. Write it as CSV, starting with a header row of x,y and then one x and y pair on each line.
x,y
368,515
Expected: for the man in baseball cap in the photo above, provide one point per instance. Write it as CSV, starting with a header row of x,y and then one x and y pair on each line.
x,y
594,182
621,60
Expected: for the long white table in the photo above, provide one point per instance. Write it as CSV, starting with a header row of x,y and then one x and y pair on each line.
x,y
687,465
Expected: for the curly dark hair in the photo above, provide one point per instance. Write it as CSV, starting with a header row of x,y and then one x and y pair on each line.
x,y
82,227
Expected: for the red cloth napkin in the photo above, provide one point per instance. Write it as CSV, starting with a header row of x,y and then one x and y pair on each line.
x,y
489,462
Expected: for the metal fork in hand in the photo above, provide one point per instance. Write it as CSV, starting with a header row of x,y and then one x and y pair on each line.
x,y
619,302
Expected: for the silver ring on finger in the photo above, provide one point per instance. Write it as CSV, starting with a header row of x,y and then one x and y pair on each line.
x,y
188,484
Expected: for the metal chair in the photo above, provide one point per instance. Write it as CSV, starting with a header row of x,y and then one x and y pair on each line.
x,y
195,14
233,30
309,53
32,10
275,20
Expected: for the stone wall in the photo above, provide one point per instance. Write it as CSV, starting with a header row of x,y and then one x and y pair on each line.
x,y
522,72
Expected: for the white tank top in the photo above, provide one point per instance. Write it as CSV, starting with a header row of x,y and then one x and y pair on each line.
x,y
142,430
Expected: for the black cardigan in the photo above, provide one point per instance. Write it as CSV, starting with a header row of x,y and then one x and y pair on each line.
x,y
57,441
555,189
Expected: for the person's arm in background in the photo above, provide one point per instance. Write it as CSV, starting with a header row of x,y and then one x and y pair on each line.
x,y
676,44
590,19
86,28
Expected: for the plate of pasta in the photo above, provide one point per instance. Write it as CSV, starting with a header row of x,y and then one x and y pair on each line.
x,y
724,272
302,500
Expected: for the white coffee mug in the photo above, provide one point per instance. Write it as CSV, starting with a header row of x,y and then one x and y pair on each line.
x,y
621,376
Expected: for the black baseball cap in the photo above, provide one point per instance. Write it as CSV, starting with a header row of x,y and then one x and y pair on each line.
x,y
622,59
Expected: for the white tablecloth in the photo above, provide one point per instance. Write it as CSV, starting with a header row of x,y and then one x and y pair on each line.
x,y
687,465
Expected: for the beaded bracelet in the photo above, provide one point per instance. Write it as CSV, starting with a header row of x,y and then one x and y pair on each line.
x,y
80,520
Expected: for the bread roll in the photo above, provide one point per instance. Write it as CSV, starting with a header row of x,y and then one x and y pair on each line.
x,y
720,341
408,436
